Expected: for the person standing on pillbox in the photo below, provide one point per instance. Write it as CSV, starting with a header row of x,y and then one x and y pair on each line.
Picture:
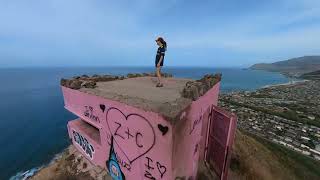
x,y
160,58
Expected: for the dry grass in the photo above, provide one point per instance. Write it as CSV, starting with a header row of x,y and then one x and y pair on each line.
x,y
255,158
252,160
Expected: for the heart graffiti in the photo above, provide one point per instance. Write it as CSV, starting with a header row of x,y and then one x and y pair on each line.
x,y
162,169
102,107
163,129
133,133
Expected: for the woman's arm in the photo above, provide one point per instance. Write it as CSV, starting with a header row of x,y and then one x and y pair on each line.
x,y
162,52
160,60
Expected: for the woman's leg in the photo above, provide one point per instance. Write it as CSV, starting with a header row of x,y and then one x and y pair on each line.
x,y
159,75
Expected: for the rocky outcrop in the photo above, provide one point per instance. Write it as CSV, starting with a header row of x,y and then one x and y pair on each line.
x,y
166,75
73,84
71,166
131,75
85,81
89,84
194,89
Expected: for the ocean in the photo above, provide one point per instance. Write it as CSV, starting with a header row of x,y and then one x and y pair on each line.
x,y
33,120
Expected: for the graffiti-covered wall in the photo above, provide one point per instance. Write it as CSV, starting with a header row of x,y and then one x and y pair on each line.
x,y
133,143
190,135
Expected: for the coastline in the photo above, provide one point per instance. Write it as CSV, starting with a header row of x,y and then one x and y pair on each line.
x,y
70,165
284,84
24,175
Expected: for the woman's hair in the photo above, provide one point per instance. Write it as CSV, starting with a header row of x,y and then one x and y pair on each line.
x,y
162,42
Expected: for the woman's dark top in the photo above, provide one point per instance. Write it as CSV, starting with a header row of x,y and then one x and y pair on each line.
x,y
160,52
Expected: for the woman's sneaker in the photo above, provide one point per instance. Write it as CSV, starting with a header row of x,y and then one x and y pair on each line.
x,y
159,85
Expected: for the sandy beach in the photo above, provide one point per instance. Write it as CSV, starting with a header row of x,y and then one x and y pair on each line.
x,y
285,84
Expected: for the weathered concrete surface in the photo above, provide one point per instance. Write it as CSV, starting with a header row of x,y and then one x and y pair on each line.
x,y
142,93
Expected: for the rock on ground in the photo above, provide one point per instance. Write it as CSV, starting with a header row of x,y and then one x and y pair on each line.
x,y
71,166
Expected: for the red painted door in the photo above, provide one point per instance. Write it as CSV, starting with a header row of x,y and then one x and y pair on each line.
x,y
220,137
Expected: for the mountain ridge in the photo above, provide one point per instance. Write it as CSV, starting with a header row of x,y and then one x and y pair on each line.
x,y
292,67
315,75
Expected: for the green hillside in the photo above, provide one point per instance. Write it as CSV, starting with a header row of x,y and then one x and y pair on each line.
x,y
293,67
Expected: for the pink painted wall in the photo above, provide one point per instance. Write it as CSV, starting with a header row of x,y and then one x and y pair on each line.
x,y
90,147
146,145
142,140
190,134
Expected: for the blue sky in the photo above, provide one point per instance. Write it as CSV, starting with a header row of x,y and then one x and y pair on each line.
x,y
216,33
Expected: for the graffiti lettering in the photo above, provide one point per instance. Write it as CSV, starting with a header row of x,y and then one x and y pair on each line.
x,y
149,165
83,143
196,149
195,123
148,175
139,145
116,133
127,133
89,113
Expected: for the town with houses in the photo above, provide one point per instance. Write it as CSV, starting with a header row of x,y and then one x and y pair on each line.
x,y
288,114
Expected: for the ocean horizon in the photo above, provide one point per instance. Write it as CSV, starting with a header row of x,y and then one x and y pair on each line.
x,y
33,123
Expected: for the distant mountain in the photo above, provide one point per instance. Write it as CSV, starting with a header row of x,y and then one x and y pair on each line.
x,y
313,75
292,67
